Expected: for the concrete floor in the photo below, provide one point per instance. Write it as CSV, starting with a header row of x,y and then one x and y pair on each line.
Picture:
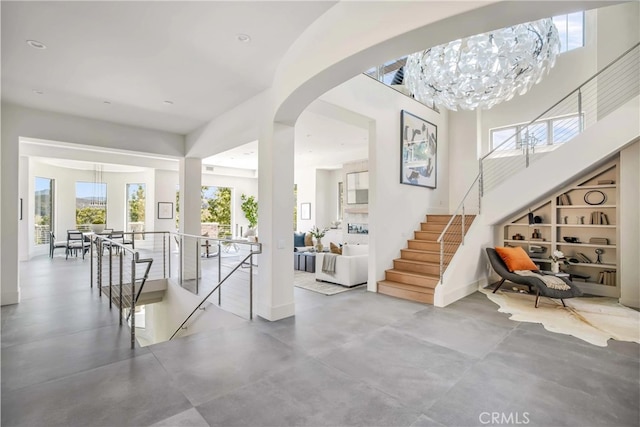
x,y
355,358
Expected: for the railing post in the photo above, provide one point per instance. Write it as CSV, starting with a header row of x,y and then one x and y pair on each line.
x,y
580,119
250,284
110,275
197,265
441,259
120,257
164,256
99,268
219,272
132,307
91,258
181,257
168,236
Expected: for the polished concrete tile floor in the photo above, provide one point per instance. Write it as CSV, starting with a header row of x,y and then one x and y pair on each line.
x,y
355,358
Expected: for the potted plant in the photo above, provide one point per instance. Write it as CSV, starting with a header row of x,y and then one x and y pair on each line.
x,y
250,208
97,224
318,233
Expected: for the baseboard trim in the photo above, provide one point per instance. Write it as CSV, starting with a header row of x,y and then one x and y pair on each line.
x,y
443,296
8,298
277,313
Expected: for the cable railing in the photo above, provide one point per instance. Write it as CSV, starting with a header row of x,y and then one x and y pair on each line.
x,y
593,100
600,95
197,264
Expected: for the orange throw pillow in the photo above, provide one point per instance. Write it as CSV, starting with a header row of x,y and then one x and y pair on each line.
x,y
335,249
516,259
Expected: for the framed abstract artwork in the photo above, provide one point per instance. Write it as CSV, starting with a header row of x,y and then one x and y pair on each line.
x,y
418,151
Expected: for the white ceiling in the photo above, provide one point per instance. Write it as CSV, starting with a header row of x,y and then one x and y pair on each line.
x,y
320,142
136,55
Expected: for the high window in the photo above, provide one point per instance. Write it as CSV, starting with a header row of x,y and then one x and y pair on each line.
x,y
91,204
551,131
136,201
43,213
571,30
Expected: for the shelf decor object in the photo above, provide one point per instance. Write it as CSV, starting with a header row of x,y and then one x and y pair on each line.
x,y
483,70
595,197
418,151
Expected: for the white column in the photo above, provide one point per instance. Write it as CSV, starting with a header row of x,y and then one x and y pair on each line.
x,y
190,202
190,183
275,222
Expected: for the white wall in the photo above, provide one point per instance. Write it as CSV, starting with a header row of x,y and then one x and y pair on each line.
x,y
629,246
305,179
395,210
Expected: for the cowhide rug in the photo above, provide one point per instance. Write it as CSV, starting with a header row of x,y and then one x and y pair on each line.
x,y
592,319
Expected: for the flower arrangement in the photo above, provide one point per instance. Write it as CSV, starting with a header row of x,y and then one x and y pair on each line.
x,y
318,233
557,256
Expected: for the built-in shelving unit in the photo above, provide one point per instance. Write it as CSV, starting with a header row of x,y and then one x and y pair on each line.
x,y
542,229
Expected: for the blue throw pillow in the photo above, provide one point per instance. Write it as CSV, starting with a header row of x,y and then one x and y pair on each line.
x,y
298,239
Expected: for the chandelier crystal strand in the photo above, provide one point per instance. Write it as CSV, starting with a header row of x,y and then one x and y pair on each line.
x,y
483,70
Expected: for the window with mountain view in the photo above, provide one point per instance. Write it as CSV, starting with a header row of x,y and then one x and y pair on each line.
x,y
91,204
43,214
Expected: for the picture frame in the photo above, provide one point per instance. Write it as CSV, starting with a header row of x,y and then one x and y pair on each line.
x,y
305,210
165,210
418,151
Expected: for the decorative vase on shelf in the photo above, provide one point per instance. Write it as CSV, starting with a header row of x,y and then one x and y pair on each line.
x,y
319,245
555,267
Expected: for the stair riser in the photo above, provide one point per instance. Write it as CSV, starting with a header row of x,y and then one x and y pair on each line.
x,y
424,245
427,226
432,236
420,256
425,298
417,268
438,219
428,282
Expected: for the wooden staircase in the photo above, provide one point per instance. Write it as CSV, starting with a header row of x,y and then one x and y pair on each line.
x,y
416,273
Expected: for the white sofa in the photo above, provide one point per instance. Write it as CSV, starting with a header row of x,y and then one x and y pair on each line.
x,y
351,267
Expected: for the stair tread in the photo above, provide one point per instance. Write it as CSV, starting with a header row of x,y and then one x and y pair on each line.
x,y
420,289
413,273
413,261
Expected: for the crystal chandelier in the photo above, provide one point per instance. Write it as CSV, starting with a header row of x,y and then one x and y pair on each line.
x,y
485,69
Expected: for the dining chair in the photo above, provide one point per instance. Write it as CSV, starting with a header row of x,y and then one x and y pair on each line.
x,y
75,242
53,245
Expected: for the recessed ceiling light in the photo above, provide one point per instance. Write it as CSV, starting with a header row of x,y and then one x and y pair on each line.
x,y
243,38
38,92
106,102
36,44
167,102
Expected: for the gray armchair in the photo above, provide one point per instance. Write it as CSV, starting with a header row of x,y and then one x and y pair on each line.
x,y
531,282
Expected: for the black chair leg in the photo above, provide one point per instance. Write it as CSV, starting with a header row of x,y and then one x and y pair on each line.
x,y
563,304
499,284
537,298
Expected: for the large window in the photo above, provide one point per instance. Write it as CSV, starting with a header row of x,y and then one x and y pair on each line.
x,y
136,204
552,131
216,208
571,30
43,213
91,204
